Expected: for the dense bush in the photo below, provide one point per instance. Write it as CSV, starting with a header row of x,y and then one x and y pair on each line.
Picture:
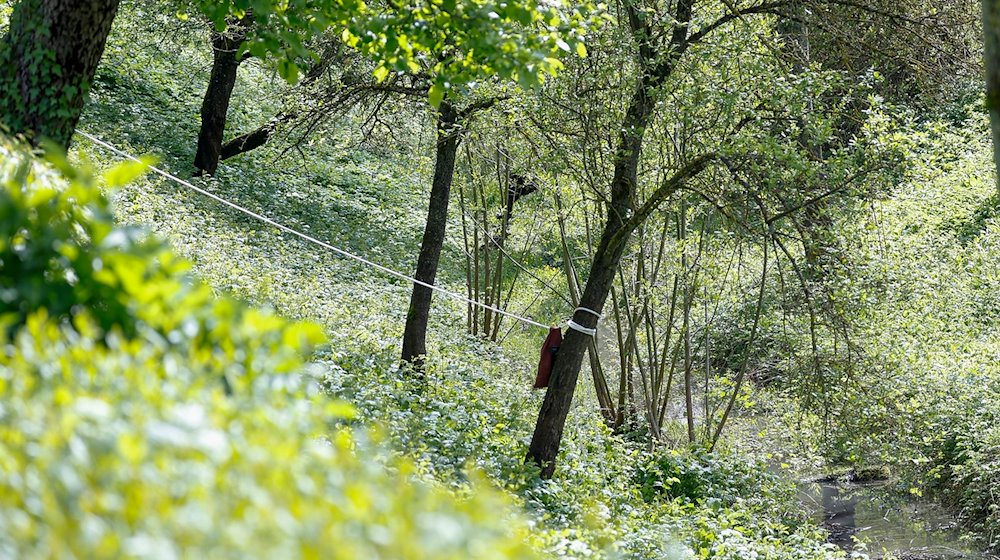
x,y
118,440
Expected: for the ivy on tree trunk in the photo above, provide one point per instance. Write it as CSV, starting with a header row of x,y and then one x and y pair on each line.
x,y
49,56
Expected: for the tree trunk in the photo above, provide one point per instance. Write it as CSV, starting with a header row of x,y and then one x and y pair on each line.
x,y
415,331
49,58
688,364
688,300
552,417
604,400
225,63
656,68
991,36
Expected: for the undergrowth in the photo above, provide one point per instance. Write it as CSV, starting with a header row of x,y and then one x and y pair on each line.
x,y
474,410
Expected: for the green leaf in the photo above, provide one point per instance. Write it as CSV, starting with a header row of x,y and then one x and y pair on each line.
x,y
288,70
127,171
435,95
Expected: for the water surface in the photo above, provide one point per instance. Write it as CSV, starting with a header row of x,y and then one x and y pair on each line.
x,y
873,518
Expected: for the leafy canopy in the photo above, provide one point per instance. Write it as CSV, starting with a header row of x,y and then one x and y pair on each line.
x,y
454,42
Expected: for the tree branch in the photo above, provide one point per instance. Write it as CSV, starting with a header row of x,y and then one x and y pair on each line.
x,y
640,30
482,105
819,198
765,8
676,181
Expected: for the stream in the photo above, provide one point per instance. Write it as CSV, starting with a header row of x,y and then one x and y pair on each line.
x,y
872,518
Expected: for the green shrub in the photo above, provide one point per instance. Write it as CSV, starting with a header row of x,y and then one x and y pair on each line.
x,y
60,252
117,440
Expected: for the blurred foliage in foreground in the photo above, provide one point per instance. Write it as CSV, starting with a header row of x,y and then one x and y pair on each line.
x,y
118,437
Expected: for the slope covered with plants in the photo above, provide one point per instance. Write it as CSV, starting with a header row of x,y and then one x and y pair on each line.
x,y
471,411
145,416
766,228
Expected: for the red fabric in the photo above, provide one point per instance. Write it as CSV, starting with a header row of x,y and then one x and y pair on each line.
x,y
548,357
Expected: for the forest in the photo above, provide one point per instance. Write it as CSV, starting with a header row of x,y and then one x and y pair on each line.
x,y
500,279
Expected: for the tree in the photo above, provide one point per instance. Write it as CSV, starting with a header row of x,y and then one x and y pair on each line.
x,y
47,62
663,35
505,41
226,58
415,330
451,122
446,47
991,37
53,47
656,64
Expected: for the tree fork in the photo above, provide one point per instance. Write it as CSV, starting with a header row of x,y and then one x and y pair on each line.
x,y
547,437
621,222
225,63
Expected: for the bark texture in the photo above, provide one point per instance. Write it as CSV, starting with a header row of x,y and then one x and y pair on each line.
x,y
225,63
49,57
415,331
